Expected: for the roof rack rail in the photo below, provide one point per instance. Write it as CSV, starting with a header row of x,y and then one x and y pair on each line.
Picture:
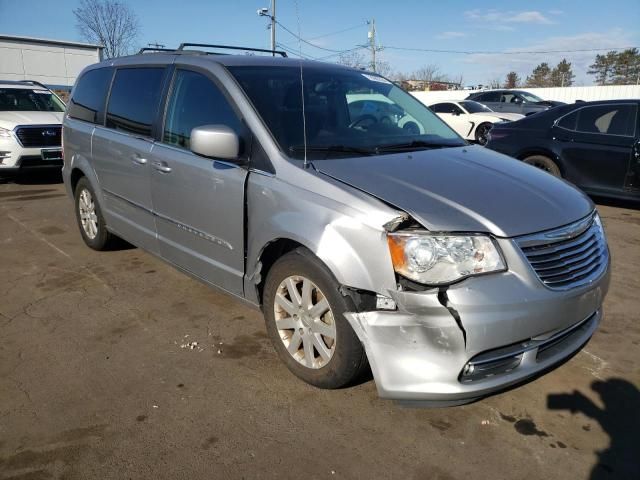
x,y
231,47
155,49
33,82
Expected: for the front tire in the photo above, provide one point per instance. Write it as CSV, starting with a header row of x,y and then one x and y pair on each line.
x,y
303,311
544,163
482,133
89,216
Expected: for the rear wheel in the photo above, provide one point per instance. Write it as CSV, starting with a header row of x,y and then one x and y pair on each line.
x,y
482,133
303,311
89,215
544,163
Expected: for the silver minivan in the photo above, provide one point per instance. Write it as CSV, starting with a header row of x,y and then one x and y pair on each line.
x,y
369,238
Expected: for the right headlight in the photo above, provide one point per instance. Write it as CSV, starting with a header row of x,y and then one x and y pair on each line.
x,y
4,132
438,259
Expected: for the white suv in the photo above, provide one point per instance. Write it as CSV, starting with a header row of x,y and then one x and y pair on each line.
x,y
30,127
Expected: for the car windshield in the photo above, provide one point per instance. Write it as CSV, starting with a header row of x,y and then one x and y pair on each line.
x,y
530,97
346,112
475,107
27,100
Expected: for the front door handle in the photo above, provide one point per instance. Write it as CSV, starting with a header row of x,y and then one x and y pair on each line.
x,y
162,167
137,159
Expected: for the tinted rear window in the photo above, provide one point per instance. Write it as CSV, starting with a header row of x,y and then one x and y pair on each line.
x,y
134,99
608,119
90,94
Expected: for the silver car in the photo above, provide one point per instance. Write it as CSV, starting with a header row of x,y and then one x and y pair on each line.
x,y
451,271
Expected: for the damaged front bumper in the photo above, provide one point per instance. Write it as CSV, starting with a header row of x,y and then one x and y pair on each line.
x,y
453,346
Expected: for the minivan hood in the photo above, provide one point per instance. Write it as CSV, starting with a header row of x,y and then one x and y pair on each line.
x,y
464,189
9,119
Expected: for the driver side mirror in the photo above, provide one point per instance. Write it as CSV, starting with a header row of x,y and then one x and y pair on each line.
x,y
216,141
455,112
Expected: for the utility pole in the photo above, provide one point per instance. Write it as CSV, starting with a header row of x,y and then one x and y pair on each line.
x,y
264,12
372,43
273,26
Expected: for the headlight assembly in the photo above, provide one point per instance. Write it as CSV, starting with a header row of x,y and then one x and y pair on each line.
x,y
438,259
4,132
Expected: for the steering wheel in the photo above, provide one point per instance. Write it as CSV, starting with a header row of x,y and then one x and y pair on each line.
x,y
363,118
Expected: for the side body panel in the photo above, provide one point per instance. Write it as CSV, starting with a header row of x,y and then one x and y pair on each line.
x,y
121,162
199,208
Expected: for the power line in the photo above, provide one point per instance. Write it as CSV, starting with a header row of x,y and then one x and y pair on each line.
x,y
487,52
360,25
306,41
292,51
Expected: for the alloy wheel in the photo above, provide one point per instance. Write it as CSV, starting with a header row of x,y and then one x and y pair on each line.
x,y
88,217
305,322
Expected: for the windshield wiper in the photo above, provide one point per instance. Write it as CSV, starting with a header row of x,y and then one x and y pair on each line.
x,y
415,144
332,148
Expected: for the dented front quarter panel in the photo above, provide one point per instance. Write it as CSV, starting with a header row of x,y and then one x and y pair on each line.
x,y
342,226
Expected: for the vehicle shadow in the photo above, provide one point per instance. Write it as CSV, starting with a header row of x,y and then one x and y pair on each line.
x,y
616,202
44,177
619,418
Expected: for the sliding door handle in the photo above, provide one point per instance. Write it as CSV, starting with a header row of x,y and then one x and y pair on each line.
x,y
138,160
162,167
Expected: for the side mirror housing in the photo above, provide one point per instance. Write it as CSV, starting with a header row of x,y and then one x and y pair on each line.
x,y
215,141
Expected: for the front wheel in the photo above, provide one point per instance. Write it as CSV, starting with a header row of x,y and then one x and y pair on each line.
x,y
303,310
482,133
544,163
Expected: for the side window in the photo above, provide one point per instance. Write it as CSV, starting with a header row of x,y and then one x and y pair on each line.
x,y
195,101
134,100
440,108
608,119
90,94
456,110
569,121
489,97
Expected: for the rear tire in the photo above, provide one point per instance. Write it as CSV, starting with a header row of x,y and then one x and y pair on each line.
x,y
320,348
544,163
89,216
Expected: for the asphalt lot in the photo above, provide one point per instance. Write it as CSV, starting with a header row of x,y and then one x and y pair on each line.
x,y
98,379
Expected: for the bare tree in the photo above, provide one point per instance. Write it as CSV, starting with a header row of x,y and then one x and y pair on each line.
x,y
429,73
110,23
353,59
495,83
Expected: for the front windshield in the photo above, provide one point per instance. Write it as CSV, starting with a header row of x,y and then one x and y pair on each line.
x,y
27,100
475,107
530,97
347,112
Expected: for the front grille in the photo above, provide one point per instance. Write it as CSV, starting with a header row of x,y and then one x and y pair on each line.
x,y
39,136
35,161
570,256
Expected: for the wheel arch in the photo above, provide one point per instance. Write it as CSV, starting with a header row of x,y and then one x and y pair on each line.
x,y
546,152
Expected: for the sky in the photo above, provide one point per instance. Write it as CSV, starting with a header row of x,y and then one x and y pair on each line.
x,y
332,25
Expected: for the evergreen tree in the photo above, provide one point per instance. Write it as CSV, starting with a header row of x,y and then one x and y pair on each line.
x,y
513,80
603,67
540,77
562,75
626,70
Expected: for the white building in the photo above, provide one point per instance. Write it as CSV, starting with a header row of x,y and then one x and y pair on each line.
x,y
55,63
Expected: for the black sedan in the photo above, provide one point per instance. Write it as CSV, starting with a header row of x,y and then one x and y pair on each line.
x,y
594,145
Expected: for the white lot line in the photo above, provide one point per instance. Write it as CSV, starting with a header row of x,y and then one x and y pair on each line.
x,y
601,364
59,250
